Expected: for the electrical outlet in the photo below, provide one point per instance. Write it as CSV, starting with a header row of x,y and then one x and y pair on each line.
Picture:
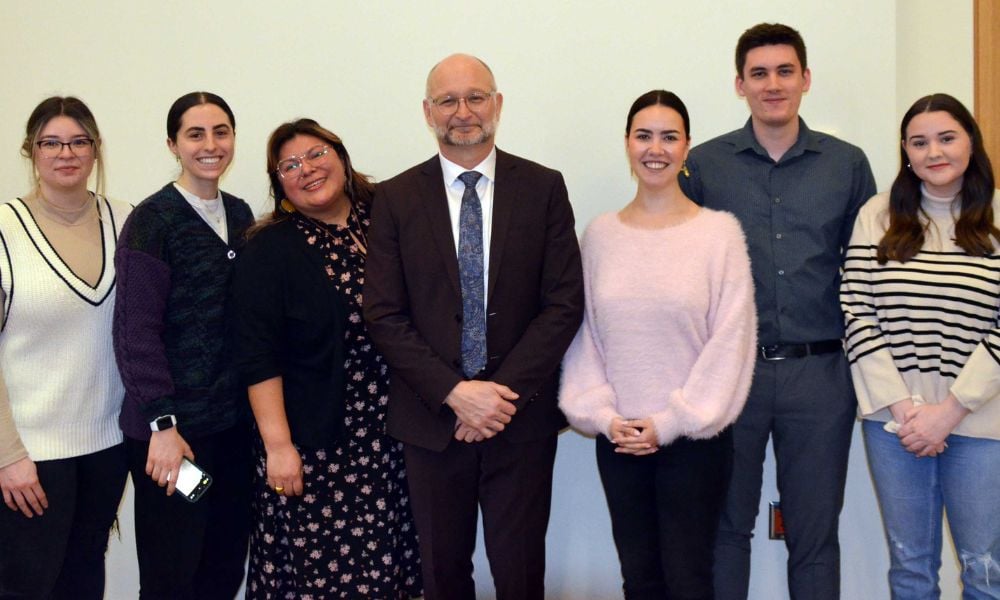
x,y
776,524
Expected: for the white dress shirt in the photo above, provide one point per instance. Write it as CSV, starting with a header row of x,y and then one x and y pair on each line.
x,y
454,188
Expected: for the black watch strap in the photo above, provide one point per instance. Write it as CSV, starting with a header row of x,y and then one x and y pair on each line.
x,y
163,423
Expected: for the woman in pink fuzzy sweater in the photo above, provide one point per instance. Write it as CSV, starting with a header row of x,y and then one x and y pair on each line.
x,y
662,364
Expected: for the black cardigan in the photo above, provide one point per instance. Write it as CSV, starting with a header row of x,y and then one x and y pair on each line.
x,y
290,321
171,316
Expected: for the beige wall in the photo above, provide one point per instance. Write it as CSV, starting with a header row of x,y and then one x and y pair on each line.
x,y
934,51
569,71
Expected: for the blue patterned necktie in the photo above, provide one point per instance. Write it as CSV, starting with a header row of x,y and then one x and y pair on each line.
x,y
470,269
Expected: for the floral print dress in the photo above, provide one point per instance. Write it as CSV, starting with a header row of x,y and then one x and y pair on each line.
x,y
351,533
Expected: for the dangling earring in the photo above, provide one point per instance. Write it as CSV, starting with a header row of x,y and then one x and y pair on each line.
x,y
684,169
287,206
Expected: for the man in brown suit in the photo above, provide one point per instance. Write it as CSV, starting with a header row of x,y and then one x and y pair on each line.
x,y
473,292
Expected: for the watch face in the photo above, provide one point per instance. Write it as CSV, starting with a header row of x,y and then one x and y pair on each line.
x,y
164,423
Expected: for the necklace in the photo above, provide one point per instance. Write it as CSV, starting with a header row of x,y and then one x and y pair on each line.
x,y
69,217
352,227
212,209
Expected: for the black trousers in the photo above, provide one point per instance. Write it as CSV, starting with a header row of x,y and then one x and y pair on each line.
x,y
61,553
194,550
807,407
665,511
513,485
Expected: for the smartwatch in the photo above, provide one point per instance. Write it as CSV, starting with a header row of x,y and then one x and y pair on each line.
x,y
163,423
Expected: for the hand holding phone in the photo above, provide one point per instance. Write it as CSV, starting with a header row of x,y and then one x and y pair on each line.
x,y
192,481
166,449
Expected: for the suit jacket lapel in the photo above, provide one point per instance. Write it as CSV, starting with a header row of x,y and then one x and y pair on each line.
x,y
435,203
504,196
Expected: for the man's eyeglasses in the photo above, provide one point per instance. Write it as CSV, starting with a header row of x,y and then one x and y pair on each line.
x,y
292,166
448,105
51,148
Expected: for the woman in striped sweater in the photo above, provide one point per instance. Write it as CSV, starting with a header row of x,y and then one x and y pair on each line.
x,y
920,294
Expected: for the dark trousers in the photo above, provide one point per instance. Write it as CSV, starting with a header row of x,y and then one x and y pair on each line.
x,y
61,553
194,550
807,406
665,511
513,485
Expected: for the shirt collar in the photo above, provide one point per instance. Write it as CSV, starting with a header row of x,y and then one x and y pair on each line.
x,y
745,140
451,170
193,198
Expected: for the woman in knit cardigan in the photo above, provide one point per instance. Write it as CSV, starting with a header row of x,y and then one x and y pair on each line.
x,y
920,293
662,364
175,261
62,464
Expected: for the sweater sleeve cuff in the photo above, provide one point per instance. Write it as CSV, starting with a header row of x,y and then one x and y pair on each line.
x,y
592,411
157,408
602,421
12,452
253,373
877,382
668,426
979,380
682,418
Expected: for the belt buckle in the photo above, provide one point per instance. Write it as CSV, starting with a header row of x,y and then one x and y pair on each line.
x,y
766,353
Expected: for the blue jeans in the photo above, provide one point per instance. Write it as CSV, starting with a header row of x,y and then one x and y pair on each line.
x,y
965,481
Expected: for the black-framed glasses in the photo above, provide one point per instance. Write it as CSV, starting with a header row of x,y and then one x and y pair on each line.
x,y
448,105
51,147
292,166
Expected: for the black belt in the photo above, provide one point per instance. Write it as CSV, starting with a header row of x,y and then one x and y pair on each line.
x,y
775,352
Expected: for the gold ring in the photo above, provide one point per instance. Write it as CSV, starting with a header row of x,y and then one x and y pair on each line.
x,y
279,489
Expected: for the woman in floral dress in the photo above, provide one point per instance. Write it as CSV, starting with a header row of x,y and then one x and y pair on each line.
x,y
332,516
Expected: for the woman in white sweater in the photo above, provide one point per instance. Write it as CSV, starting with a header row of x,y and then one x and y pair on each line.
x,y
920,294
62,464
662,364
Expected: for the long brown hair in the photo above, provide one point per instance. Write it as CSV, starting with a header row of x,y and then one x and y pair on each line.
x,y
359,187
974,230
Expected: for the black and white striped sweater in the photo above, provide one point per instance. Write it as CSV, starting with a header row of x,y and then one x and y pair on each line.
x,y
927,327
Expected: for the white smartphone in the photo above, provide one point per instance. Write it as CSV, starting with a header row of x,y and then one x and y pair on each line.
x,y
192,481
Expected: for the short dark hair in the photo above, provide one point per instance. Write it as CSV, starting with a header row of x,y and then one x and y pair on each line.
x,y
658,98
768,34
189,100
975,231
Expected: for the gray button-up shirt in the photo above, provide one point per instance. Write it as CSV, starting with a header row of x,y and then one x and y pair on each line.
x,y
797,215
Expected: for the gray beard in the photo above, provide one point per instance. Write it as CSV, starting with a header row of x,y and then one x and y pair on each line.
x,y
486,132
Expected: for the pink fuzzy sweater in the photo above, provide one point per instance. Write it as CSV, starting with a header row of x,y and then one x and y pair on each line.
x,y
670,329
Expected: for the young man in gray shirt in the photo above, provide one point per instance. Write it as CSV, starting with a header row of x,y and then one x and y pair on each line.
x,y
796,193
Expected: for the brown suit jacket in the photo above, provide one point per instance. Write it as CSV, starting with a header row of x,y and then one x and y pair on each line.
x,y
413,298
